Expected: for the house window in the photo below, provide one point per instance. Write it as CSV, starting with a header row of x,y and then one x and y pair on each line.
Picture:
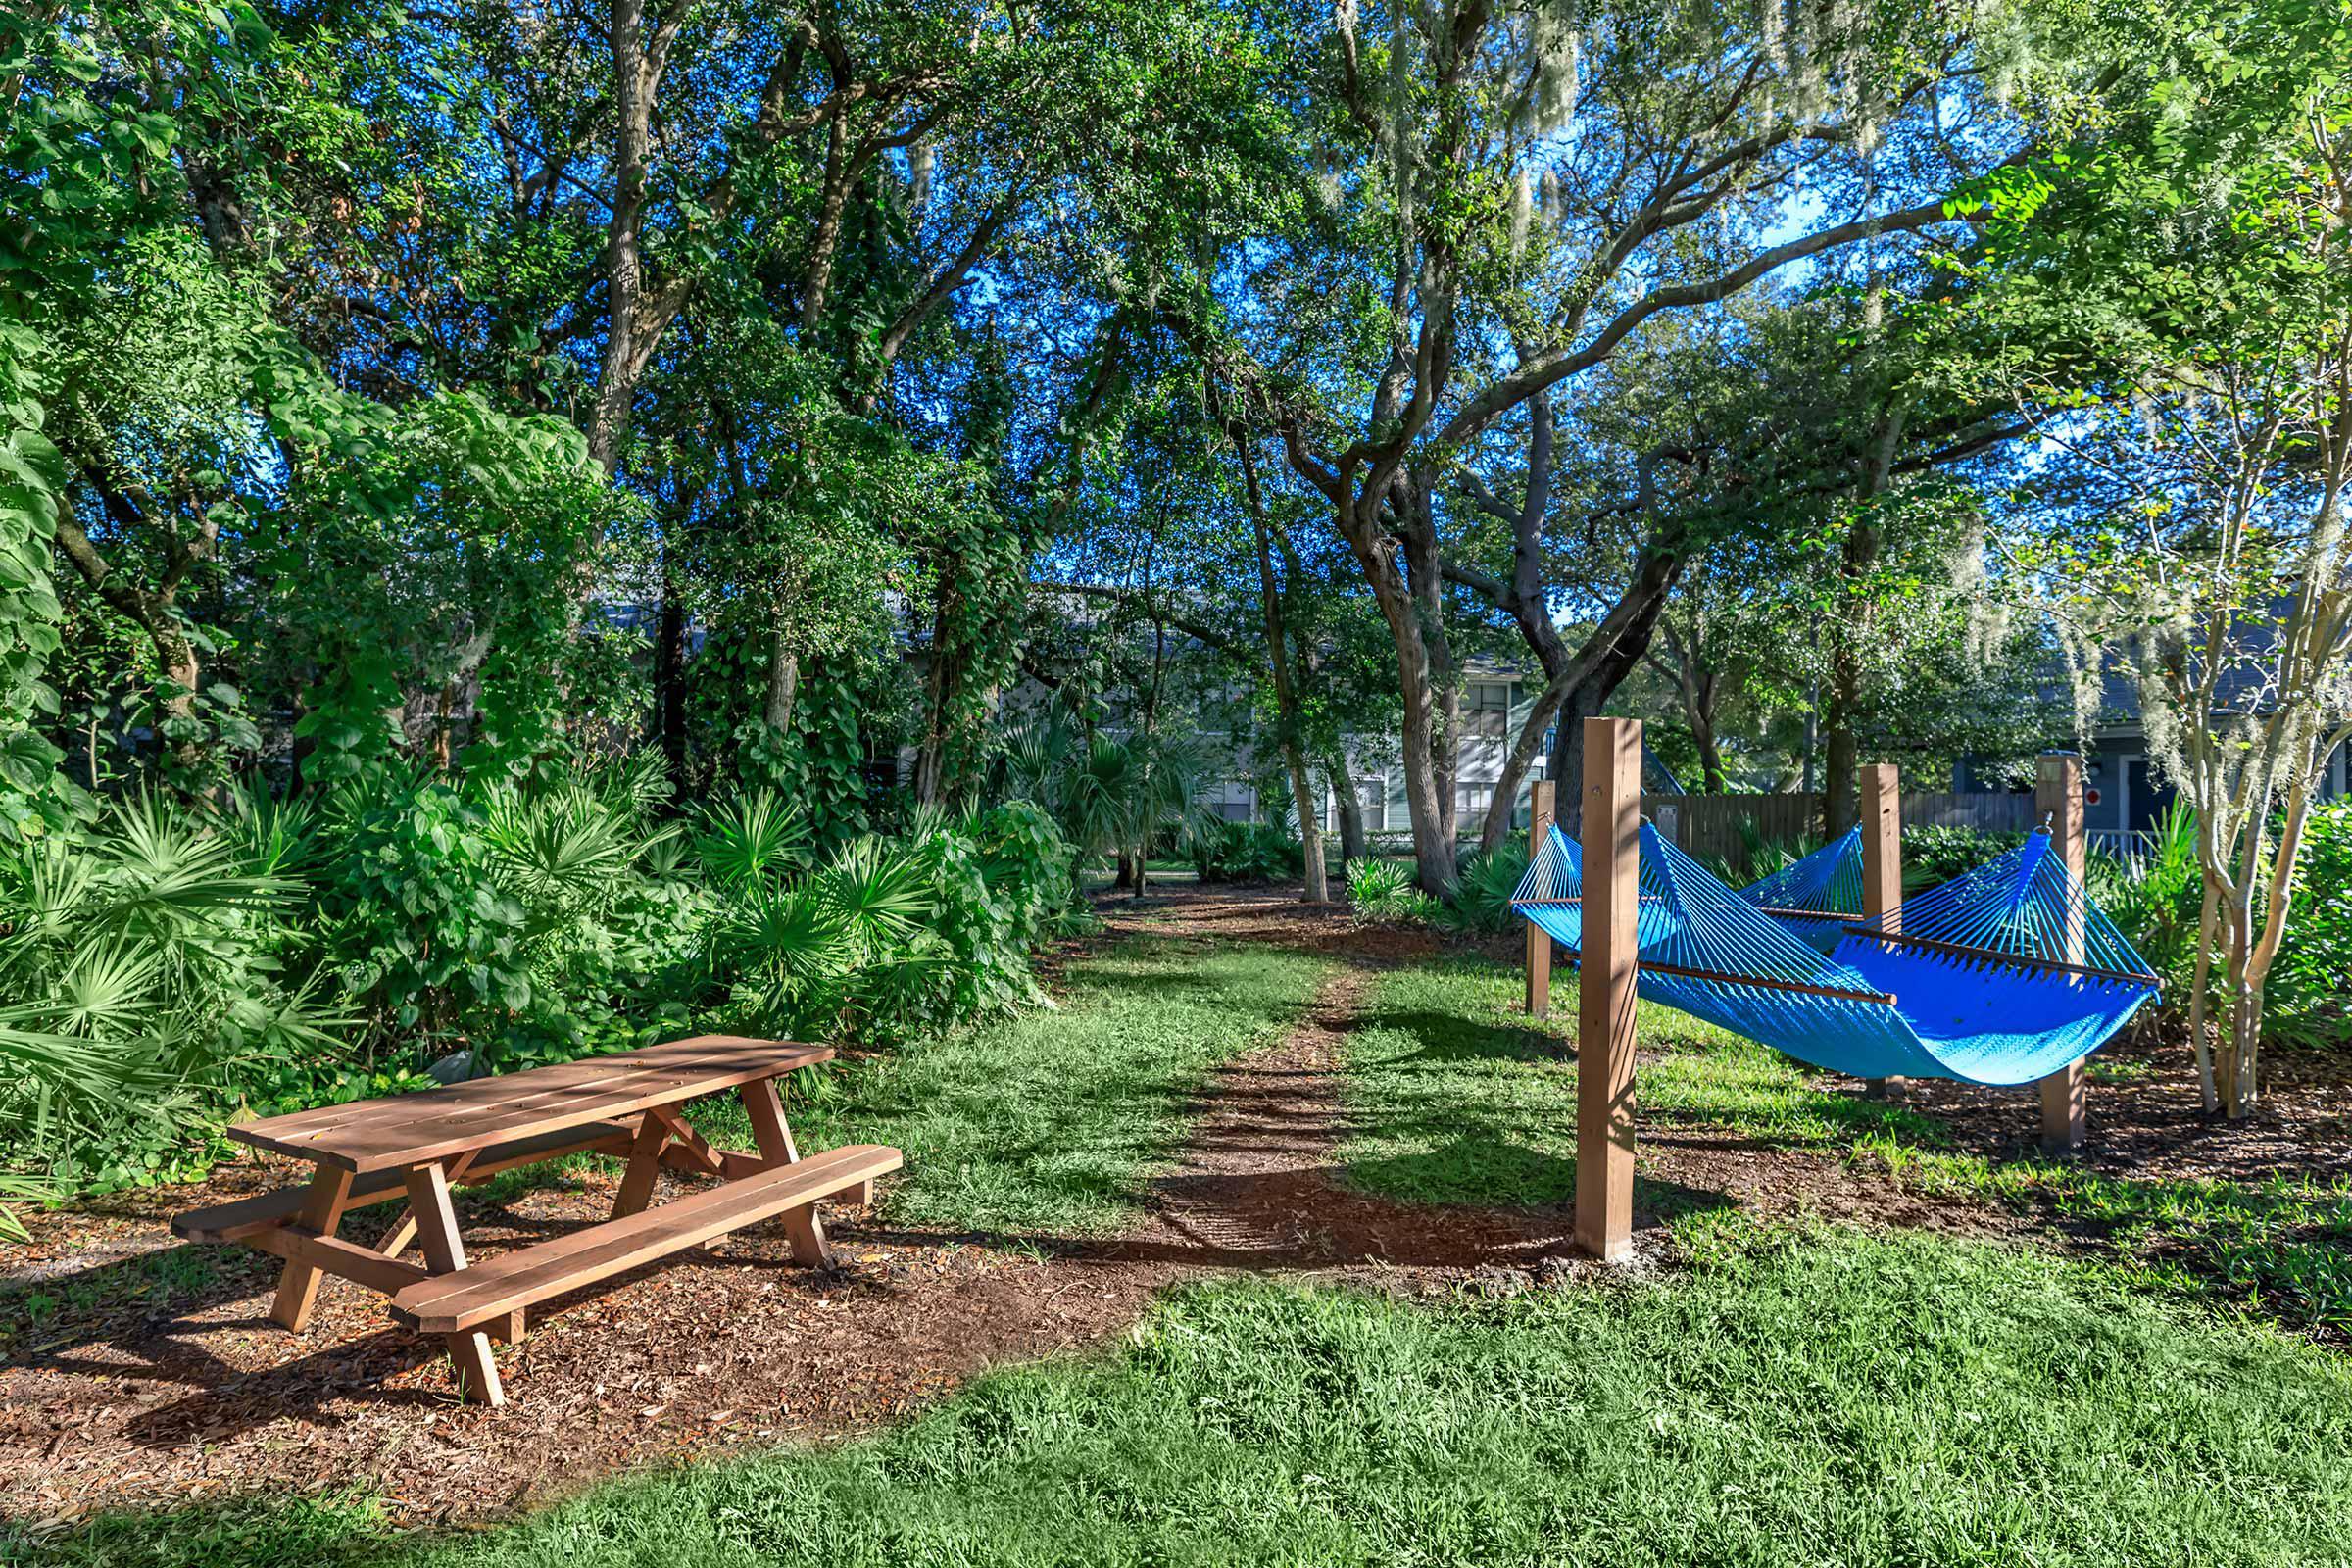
x,y
1236,802
1487,709
1372,794
1470,801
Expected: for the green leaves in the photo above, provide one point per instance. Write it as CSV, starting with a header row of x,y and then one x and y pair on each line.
x,y
33,478
752,837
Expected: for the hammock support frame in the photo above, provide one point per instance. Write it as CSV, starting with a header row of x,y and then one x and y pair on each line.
x,y
2017,977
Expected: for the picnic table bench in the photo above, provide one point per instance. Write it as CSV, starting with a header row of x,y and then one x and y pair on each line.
x,y
419,1147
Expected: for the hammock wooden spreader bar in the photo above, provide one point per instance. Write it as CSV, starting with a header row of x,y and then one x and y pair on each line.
x,y
1834,992
1897,939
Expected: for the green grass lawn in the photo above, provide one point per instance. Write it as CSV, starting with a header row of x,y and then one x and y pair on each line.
x,y
1455,1096
1049,1122
1843,1400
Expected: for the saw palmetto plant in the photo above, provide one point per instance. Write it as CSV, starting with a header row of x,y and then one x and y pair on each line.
x,y
142,963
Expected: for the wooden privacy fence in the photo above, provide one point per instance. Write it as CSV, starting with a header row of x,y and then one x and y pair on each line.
x,y
1726,825
1704,826
1986,814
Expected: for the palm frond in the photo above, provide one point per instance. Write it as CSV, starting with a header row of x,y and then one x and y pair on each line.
x,y
555,850
272,835
752,837
169,877
882,893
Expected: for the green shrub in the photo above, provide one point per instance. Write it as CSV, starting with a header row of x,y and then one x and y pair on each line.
x,y
181,966
420,936
2308,984
1934,855
1481,895
1249,852
1382,893
144,968
2155,899
1002,882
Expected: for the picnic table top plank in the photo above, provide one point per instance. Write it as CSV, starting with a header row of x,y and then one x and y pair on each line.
x,y
518,1087
402,1129
223,1222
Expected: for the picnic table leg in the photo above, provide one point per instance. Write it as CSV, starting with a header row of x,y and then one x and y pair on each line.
x,y
801,1227
691,1145
321,1210
444,1253
767,1110
645,1164
806,1234
404,1229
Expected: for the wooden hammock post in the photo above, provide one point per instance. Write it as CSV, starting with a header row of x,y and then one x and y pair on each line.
x,y
2058,798
1539,940
1611,833
1883,871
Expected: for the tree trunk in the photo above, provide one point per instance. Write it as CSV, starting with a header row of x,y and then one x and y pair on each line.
x,y
1517,766
153,615
939,686
1288,725
1602,669
635,315
1310,836
1842,763
2199,996
670,680
783,684
1850,635
1414,612
1578,685
443,720
618,366
1699,686
1354,845
1710,754
2245,1049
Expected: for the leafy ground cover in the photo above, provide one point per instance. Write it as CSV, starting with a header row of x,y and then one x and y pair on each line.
x,y
1846,1398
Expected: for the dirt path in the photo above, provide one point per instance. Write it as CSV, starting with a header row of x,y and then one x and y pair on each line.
x,y
1258,1187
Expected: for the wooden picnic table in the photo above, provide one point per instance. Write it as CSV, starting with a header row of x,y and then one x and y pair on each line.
x,y
420,1146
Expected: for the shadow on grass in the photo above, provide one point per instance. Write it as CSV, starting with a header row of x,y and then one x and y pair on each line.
x,y
1445,1037
1493,1172
1807,1120
333,1531
1496,1173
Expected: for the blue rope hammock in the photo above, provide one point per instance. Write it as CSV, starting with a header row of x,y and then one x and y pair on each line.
x,y
1817,898
2002,976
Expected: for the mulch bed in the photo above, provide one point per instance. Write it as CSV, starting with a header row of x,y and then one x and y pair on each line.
x,y
150,1375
